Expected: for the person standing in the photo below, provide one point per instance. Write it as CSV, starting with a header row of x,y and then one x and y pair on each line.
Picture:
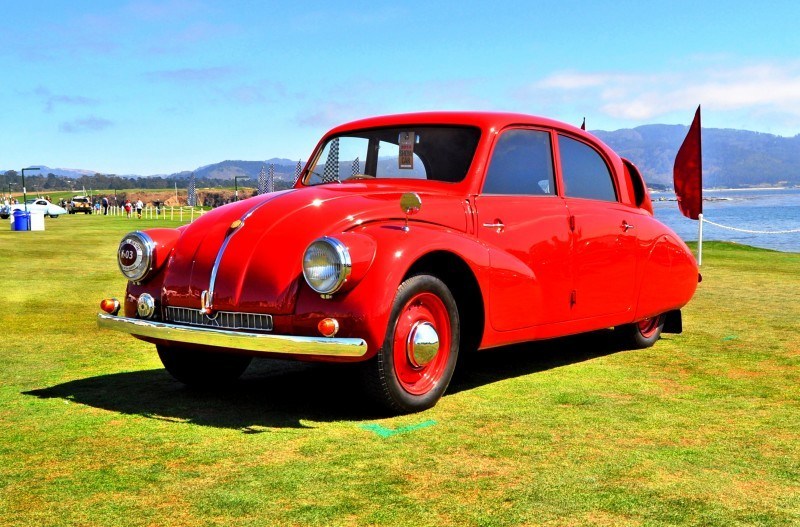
x,y
139,207
105,206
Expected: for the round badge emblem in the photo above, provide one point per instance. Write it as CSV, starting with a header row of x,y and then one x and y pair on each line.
x,y
131,253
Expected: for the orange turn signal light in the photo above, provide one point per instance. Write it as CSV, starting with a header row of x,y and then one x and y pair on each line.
x,y
328,327
110,305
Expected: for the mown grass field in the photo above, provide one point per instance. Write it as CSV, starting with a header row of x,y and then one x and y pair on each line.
x,y
702,429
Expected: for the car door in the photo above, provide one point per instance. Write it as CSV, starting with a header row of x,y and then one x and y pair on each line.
x,y
525,225
604,235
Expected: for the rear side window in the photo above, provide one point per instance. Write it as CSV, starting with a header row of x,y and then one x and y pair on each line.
x,y
584,171
522,164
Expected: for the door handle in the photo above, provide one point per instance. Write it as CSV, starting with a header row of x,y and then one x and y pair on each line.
x,y
497,225
627,226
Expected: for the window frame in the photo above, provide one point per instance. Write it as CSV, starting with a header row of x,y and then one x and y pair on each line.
x,y
606,161
556,191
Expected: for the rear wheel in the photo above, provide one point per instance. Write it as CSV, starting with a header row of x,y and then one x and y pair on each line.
x,y
416,362
642,334
202,368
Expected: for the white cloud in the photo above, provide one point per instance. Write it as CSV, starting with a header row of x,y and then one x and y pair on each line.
x,y
756,90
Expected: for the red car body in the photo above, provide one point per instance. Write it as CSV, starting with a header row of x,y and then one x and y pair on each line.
x,y
518,262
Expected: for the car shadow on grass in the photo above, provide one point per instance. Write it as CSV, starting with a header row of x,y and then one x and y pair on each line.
x,y
286,394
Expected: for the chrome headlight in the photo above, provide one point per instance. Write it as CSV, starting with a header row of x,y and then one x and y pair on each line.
x,y
136,255
326,265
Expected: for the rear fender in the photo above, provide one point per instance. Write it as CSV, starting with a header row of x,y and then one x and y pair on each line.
x,y
669,278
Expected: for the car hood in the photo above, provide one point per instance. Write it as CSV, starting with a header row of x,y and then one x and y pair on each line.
x,y
249,253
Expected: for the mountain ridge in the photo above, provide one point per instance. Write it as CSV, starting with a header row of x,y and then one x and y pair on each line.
x,y
731,158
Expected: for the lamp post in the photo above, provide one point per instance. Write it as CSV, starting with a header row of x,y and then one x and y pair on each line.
x,y
24,190
236,186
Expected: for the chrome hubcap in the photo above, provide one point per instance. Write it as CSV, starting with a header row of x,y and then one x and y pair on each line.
x,y
422,345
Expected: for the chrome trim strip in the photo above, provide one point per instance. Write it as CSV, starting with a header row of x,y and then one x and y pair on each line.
x,y
213,280
258,343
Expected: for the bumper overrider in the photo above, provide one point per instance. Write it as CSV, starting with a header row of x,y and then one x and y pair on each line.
x,y
236,341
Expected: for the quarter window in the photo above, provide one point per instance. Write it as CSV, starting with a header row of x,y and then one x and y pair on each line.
x,y
522,163
584,171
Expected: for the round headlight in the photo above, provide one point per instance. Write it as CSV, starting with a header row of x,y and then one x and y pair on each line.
x,y
326,265
135,255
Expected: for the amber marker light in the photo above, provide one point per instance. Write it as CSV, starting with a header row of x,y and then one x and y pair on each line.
x,y
328,327
110,305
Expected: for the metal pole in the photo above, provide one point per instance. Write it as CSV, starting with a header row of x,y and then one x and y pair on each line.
x,y
700,240
25,193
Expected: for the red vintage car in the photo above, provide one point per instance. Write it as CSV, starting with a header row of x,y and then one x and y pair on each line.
x,y
407,240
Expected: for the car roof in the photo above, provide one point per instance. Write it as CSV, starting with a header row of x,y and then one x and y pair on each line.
x,y
485,120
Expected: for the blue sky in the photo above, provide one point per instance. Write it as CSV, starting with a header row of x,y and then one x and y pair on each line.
x,y
146,87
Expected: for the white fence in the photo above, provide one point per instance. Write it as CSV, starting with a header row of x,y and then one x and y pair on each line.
x,y
152,213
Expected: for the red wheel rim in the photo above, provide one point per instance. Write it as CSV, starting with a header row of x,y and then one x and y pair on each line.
x,y
421,309
649,326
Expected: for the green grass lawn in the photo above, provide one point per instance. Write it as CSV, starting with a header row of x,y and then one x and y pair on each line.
x,y
702,429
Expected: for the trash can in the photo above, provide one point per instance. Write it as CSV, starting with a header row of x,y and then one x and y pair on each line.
x,y
21,221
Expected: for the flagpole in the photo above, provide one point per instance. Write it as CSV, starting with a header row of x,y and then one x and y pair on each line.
x,y
700,240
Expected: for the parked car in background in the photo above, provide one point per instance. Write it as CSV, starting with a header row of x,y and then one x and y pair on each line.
x,y
42,206
407,241
80,204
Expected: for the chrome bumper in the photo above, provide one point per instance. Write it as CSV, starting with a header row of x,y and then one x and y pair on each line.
x,y
258,343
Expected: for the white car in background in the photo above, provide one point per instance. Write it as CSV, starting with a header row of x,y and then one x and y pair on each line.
x,y
41,206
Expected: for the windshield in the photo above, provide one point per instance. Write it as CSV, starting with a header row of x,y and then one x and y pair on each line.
x,y
441,153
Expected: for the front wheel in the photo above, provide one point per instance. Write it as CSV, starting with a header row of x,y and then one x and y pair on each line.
x,y
416,362
642,334
202,369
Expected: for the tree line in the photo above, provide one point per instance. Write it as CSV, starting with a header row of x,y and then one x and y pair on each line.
x,y
34,182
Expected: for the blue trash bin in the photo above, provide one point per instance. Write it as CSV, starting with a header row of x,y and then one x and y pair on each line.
x,y
22,221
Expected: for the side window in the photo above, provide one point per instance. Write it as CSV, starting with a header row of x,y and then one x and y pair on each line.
x,y
584,171
522,163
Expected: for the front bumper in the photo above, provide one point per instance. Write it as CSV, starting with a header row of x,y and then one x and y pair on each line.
x,y
252,343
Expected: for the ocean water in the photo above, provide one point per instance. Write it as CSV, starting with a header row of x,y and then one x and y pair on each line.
x,y
750,209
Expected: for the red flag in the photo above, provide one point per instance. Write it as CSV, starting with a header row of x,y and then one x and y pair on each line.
x,y
688,172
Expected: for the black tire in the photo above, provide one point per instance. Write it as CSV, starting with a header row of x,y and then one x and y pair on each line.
x,y
202,369
642,334
409,375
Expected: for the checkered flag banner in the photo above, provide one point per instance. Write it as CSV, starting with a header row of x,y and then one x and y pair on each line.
x,y
271,178
192,193
262,180
331,172
356,168
297,170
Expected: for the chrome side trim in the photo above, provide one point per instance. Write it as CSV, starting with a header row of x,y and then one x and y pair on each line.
x,y
212,282
257,343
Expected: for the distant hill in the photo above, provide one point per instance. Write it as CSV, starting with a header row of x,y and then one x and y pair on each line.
x,y
227,170
731,158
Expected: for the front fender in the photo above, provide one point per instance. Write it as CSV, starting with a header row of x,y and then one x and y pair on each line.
x,y
364,310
